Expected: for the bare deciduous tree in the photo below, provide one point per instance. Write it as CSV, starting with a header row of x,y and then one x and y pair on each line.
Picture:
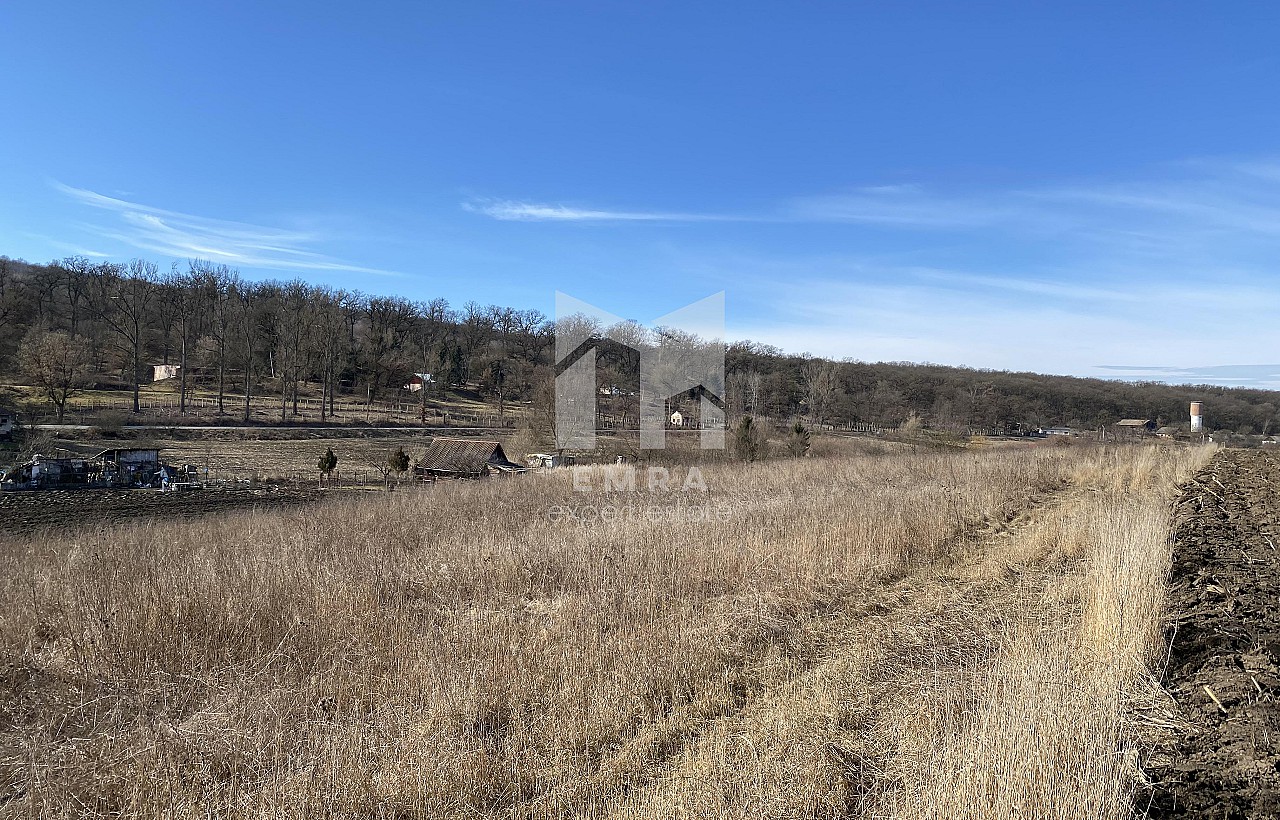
x,y
820,387
293,318
57,363
247,321
76,279
329,340
431,331
125,302
216,287
181,295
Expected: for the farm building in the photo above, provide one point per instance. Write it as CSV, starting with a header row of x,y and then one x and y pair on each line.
x,y
418,382
7,422
41,472
546,461
1134,427
120,468
163,372
463,458
129,466
1056,431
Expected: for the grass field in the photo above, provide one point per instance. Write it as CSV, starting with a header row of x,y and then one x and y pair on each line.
x,y
907,635
292,454
159,404
265,455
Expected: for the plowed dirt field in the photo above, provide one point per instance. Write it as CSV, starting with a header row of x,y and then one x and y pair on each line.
x,y
1224,668
25,512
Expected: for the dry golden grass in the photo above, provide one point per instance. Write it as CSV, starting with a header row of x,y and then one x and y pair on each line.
x,y
897,635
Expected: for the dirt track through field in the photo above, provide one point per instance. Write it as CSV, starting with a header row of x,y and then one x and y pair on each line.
x,y
840,717
1224,668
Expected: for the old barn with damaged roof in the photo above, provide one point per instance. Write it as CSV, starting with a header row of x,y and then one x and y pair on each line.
x,y
463,458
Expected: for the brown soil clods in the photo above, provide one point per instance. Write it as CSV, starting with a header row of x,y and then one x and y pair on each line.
x,y
1224,667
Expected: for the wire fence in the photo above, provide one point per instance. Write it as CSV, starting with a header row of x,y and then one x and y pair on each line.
x,y
88,409
349,479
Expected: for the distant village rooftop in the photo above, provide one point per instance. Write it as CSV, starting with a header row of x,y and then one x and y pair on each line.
x,y
1136,423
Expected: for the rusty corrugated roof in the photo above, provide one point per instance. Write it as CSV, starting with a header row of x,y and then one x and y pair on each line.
x,y
460,455
115,452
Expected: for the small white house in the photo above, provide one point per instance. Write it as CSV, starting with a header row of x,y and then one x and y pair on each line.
x,y
419,381
164,372
677,420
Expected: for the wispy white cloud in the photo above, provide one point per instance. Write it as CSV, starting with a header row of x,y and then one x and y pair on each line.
x,y
1191,202
68,247
186,235
1172,265
970,282
905,206
1042,320
1263,376
512,211
901,206
1141,217
911,322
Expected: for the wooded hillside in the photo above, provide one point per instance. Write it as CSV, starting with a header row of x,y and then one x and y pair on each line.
x,y
79,322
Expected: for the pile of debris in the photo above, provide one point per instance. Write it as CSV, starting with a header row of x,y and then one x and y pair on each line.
x,y
120,468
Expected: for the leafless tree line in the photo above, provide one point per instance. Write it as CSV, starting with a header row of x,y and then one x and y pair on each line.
x,y
239,337
77,321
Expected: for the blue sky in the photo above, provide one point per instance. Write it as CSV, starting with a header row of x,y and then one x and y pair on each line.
x,y
1090,189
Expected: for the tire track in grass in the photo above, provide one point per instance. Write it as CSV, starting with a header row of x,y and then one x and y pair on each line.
x,y
816,742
